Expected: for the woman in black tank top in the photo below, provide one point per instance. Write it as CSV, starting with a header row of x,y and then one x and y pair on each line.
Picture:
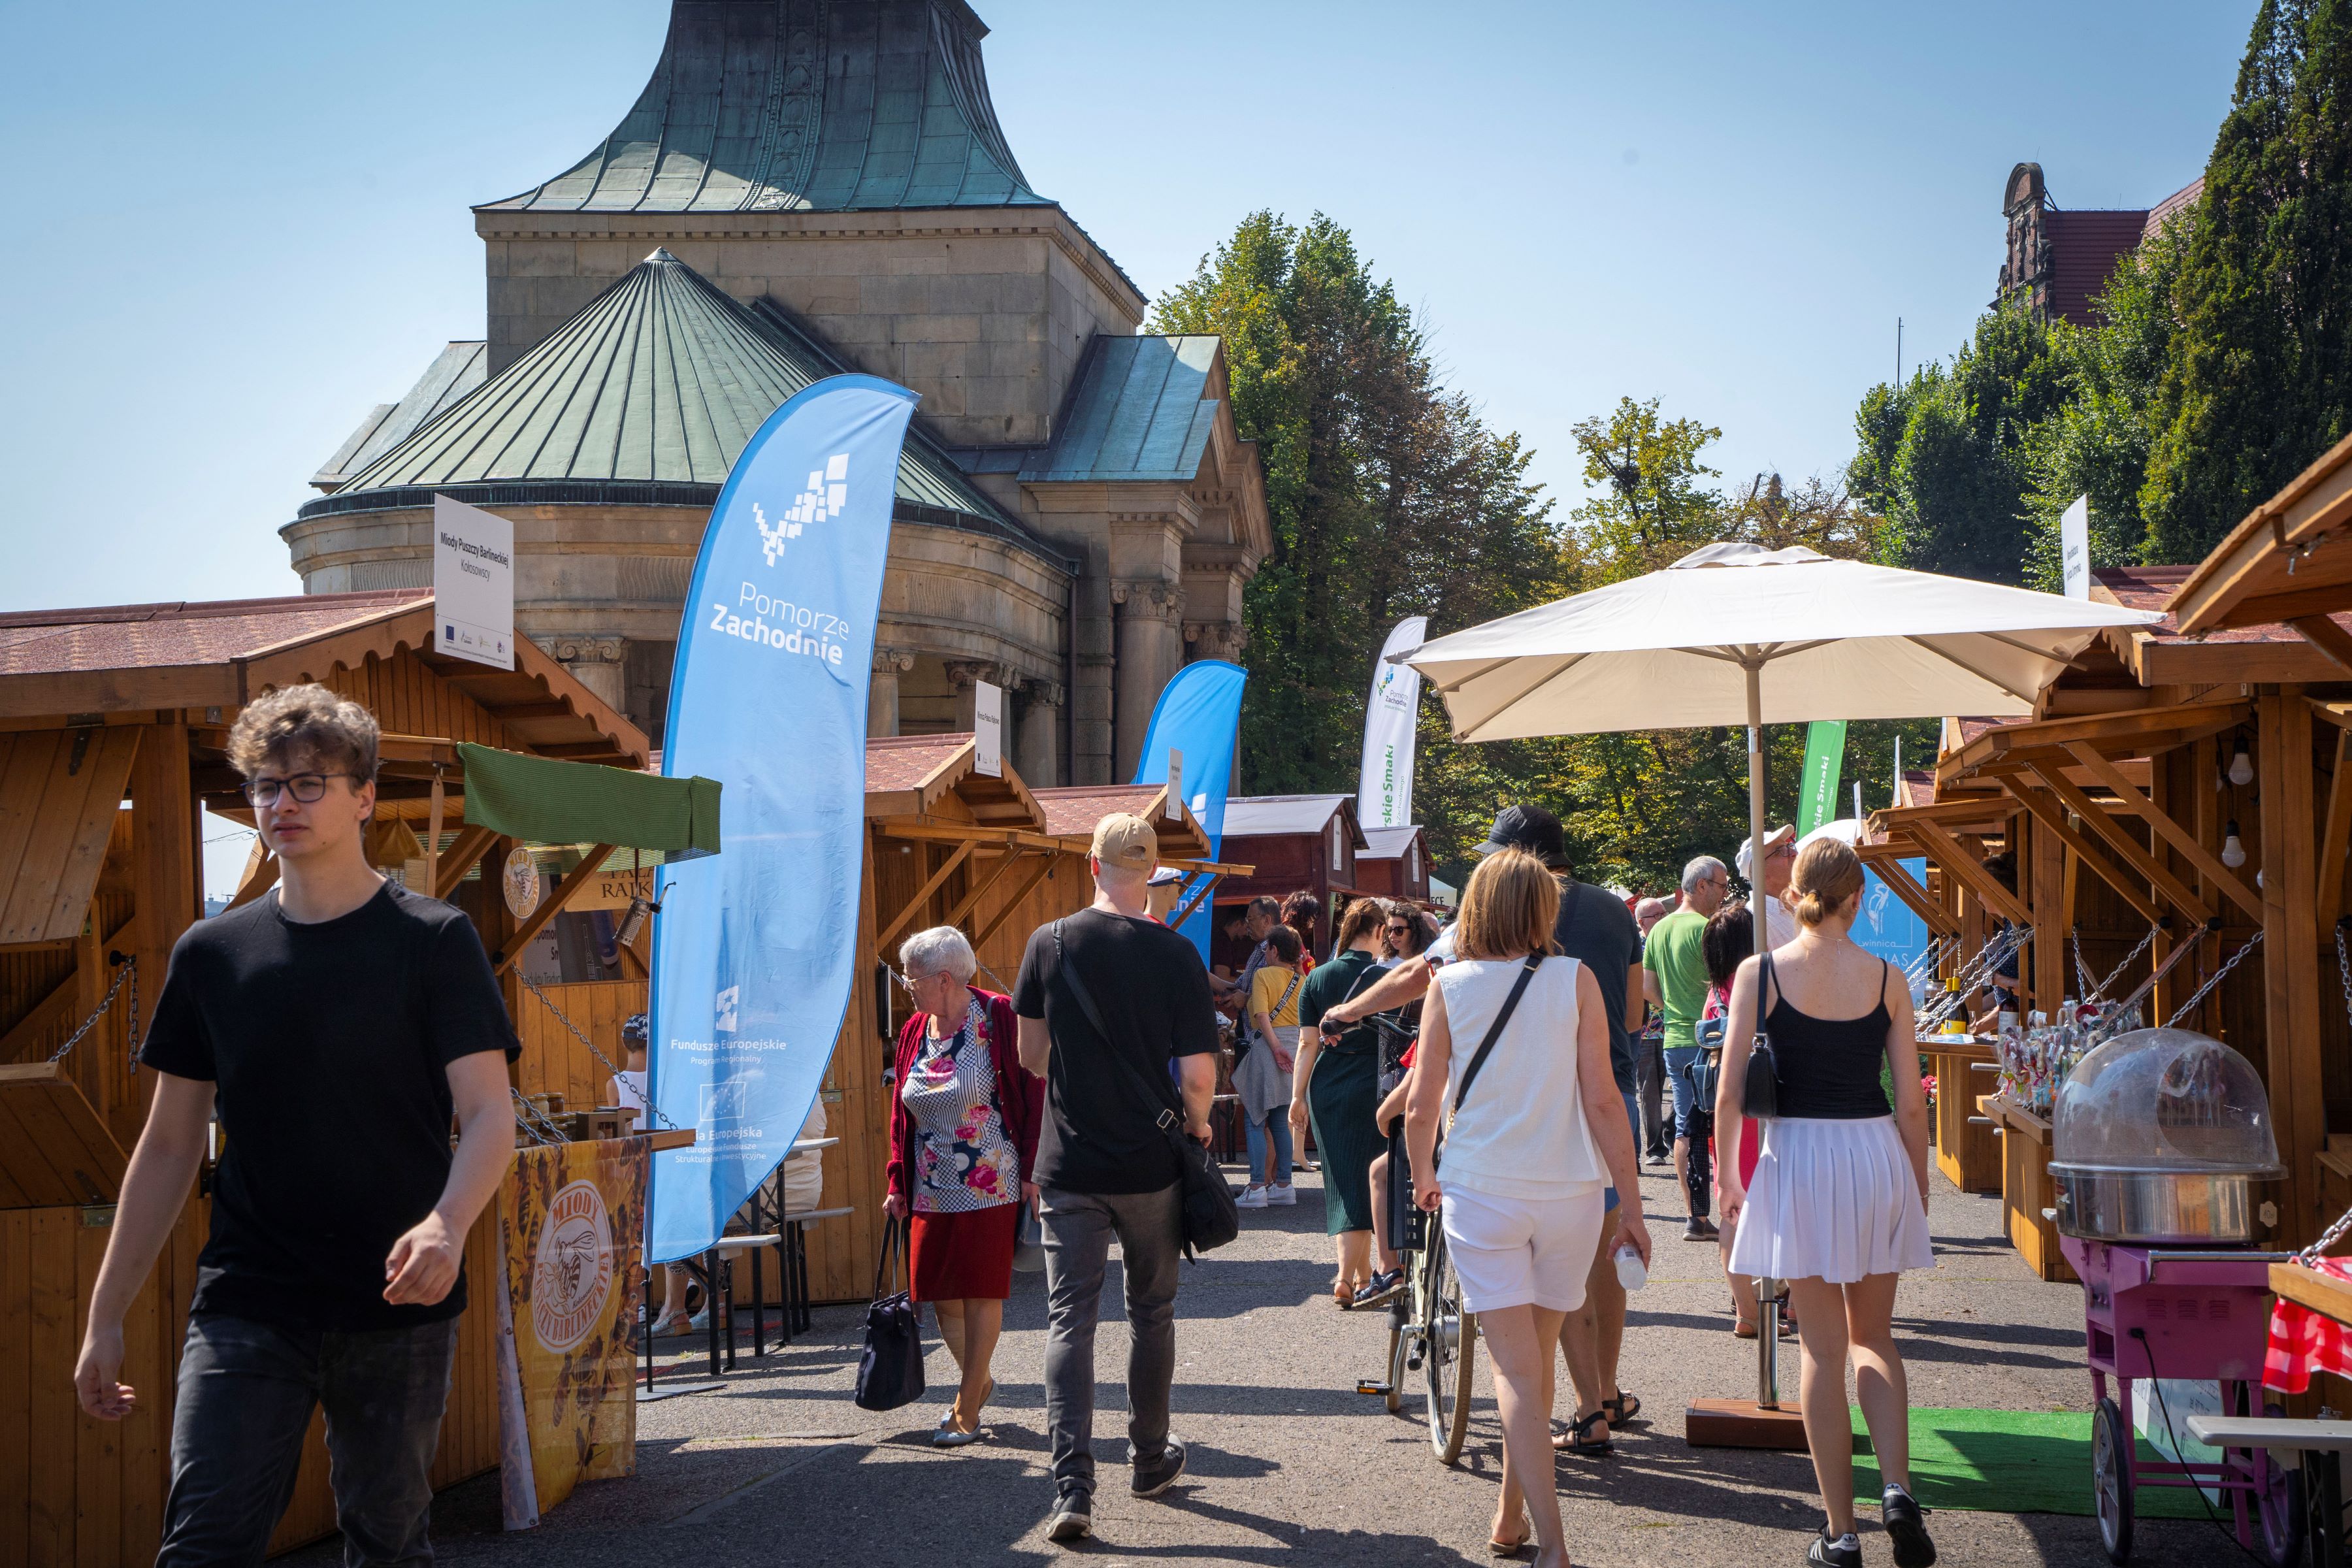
x,y
1837,1205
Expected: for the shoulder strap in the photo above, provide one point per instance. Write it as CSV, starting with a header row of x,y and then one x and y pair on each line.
x,y
883,1256
1495,1029
1766,981
1084,998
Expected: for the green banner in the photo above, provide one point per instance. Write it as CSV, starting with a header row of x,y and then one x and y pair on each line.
x,y
1825,757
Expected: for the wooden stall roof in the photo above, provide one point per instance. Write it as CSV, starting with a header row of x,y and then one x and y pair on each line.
x,y
60,792
2290,558
1276,816
54,1152
1072,812
910,776
135,658
2129,733
2163,655
1390,843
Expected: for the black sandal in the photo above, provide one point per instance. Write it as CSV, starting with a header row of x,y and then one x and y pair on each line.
x,y
1579,1442
1623,1410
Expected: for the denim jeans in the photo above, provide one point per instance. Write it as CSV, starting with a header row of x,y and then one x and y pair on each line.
x,y
1078,1231
245,1393
1693,1121
1649,1082
1278,1127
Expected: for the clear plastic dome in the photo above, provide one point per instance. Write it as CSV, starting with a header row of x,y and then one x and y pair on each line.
x,y
2164,1099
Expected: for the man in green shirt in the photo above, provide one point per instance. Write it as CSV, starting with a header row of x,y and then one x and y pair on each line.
x,y
1674,976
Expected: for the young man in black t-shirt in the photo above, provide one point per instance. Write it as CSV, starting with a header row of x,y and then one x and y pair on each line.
x,y
335,1025
1104,1164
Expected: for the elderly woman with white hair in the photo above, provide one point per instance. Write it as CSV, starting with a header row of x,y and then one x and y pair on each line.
x,y
963,1142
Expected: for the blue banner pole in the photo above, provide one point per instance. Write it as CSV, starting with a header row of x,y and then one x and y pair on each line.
x,y
1196,717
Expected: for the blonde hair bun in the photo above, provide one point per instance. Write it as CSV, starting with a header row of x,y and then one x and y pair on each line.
x,y
1828,874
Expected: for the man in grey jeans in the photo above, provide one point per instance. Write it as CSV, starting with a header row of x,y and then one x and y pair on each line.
x,y
1106,1000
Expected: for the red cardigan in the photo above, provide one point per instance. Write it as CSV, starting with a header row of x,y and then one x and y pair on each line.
x,y
1020,1094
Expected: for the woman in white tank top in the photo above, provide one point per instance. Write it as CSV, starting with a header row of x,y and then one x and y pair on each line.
x,y
1537,1130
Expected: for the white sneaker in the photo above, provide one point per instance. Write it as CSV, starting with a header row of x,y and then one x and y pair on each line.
x,y
1281,1194
1251,1198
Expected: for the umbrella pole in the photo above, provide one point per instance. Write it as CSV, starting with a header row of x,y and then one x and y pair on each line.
x,y
1768,1315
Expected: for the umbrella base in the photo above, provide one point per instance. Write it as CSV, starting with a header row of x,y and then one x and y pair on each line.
x,y
1743,1423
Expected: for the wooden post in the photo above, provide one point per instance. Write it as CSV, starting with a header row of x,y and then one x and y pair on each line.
x,y
2290,952
2046,877
433,837
165,879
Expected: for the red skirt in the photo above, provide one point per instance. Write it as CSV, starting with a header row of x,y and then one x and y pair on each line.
x,y
964,1256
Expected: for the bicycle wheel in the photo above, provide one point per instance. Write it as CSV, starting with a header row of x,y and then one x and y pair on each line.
x,y
1451,1338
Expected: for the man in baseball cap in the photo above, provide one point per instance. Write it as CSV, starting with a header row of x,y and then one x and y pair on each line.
x,y
1109,1001
1772,885
1532,829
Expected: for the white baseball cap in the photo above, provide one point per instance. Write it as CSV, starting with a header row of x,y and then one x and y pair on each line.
x,y
1773,838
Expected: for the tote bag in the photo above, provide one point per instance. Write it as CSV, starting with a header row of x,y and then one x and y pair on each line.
x,y
891,1367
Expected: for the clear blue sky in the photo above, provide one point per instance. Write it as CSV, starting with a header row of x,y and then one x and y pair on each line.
x,y
234,229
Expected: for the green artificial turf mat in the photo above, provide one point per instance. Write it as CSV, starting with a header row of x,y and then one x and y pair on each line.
x,y
2011,1461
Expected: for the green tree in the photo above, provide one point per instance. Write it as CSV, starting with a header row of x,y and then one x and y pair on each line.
x,y
2260,381
1649,504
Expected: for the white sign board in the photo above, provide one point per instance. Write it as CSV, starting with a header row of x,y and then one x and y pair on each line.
x,y
473,583
1384,782
1176,784
988,730
2075,548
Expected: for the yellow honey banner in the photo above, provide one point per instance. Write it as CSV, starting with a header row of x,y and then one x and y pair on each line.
x,y
572,1226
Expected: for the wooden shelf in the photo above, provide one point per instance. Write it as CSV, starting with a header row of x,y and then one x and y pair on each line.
x,y
2323,1293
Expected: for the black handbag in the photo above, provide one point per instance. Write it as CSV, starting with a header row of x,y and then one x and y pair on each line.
x,y
891,1367
1760,1094
1210,1217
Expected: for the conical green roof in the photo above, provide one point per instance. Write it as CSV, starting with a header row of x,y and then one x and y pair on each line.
x,y
802,106
661,380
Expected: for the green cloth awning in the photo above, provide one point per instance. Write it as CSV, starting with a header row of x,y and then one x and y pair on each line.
x,y
548,801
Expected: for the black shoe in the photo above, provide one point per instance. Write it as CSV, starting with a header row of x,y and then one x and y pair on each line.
x,y
1380,1290
1900,1513
1845,1551
1153,1478
1700,1228
1073,1518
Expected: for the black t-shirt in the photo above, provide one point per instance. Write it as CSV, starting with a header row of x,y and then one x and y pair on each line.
x,y
1101,1132
1595,927
329,1046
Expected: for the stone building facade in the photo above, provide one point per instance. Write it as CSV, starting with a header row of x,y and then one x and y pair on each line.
x,y
2058,259
805,187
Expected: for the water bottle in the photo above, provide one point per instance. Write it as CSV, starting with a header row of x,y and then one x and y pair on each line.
x,y
1632,1272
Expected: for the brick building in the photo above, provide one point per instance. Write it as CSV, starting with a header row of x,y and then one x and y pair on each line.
x,y
2059,259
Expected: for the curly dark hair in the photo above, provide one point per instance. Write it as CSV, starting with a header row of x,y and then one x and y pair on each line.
x,y
1730,936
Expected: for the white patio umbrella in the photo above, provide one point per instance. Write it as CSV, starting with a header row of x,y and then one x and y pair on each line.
x,y
1735,634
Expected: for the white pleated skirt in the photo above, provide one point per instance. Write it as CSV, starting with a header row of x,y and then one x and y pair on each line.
x,y
1833,1200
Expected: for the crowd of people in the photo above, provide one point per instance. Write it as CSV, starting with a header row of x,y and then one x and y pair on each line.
x,y
1552,1025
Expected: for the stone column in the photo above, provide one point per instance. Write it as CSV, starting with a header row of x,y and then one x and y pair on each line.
x,y
597,664
1214,639
882,691
1038,753
965,676
1151,651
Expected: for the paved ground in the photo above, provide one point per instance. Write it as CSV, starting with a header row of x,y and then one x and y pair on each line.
x,y
1289,1464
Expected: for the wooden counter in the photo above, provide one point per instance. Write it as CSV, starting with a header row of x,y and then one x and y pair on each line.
x,y
2025,1188
1967,1149
2323,1293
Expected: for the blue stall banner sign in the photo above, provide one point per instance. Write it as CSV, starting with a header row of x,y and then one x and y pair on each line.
x,y
1198,719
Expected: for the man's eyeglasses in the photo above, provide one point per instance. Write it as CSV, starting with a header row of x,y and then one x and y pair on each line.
x,y
307,788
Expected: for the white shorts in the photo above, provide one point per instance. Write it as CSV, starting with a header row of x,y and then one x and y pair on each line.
x,y
1518,1252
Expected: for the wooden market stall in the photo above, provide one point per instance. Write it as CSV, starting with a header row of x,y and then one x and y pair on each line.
x,y
1297,843
2154,763
1394,863
112,724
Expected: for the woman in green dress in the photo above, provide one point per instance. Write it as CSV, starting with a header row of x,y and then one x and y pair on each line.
x,y
1336,1085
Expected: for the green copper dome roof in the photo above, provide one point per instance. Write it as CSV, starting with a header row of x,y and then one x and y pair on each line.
x,y
802,106
650,392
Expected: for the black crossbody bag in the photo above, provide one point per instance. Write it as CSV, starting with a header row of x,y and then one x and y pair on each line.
x,y
1760,1096
1210,1216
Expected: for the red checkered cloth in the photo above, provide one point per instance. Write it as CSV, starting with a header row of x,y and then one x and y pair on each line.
x,y
2304,1341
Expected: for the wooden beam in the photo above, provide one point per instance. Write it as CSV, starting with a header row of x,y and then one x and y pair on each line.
x,y
899,921
551,906
468,846
1966,869
2207,864
1898,883
260,875
1045,864
1183,911
2109,832
2134,893
2324,635
2291,975
43,1014
2336,838
2042,870
979,886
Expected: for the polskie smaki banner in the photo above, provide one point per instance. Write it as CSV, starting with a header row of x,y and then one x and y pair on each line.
x,y
570,1216
755,948
1384,779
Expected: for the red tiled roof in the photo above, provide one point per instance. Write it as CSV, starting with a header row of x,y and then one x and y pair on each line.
x,y
903,762
2152,587
2084,246
1918,788
1075,810
146,636
2186,196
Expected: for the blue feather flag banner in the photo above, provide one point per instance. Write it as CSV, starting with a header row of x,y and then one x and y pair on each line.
x,y
755,948
1198,719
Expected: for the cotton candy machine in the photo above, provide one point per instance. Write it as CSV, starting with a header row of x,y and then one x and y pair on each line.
x,y
2162,1155
2164,1136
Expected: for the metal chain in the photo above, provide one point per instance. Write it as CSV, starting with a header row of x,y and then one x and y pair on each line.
x,y
2117,974
2335,1233
2219,976
2081,969
128,972
536,1123
565,1020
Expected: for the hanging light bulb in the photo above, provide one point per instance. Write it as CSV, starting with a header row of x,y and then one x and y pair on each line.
x,y
2233,852
2242,766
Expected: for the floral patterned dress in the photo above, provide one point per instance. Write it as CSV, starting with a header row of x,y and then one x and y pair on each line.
x,y
963,1160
